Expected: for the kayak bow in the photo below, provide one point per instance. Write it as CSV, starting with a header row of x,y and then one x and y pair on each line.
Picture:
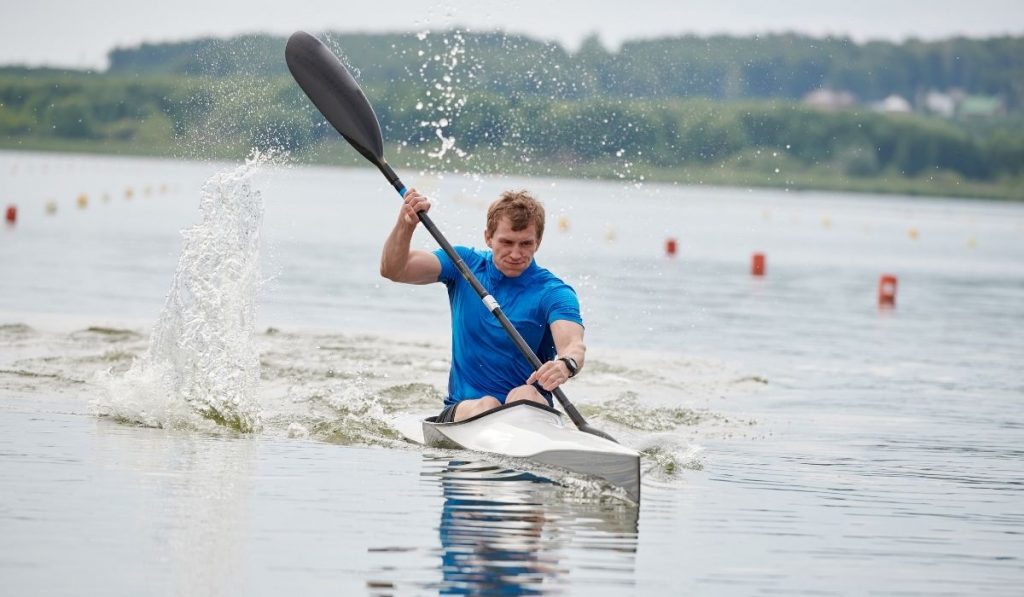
x,y
536,432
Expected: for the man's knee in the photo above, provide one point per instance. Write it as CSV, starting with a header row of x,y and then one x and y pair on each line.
x,y
528,393
471,408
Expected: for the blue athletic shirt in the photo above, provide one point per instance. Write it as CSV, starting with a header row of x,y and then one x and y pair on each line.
x,y
485,361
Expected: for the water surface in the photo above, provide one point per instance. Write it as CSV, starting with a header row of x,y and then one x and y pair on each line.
x,y
797,439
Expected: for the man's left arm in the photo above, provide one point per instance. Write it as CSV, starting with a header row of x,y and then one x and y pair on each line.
x,y
568,337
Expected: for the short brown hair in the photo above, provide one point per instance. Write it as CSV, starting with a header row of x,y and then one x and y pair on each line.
x,y
521,208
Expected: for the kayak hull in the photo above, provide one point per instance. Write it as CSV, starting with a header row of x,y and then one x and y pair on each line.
x,y
538,433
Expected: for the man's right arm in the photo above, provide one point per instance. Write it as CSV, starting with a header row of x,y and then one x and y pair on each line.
x,y
398,262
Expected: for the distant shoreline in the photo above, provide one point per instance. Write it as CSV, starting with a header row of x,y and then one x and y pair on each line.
x,y
336,153
782,111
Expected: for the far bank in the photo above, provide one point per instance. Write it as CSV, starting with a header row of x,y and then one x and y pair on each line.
x,y
754,169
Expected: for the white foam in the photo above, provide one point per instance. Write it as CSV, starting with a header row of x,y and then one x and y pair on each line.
x,y
202,361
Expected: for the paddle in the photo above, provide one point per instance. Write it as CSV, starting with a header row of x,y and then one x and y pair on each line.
x,y
338,97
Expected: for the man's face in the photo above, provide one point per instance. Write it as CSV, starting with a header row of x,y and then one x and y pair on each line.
x,y
513,250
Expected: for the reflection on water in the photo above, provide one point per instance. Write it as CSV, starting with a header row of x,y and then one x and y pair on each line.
x,y
505,532
491,533
201,483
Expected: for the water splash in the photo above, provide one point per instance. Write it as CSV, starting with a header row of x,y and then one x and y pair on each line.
x,y
352,412
202,364
448,74
664,457
627,410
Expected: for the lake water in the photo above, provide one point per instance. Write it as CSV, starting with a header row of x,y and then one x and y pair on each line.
x,y
797,438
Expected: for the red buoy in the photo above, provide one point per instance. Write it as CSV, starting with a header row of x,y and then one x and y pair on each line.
x,y
887,291
670,247
757,264
12,213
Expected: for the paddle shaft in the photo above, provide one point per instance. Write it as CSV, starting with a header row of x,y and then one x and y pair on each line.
x,y
490,302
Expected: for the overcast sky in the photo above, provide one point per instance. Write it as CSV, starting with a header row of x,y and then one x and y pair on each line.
x,y
79,33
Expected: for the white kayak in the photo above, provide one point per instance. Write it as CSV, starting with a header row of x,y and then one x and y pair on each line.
x,y
538,433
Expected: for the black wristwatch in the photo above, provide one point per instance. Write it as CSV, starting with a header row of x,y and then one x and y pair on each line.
x,y
570,364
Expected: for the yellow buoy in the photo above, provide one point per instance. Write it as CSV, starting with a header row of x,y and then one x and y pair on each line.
x,y
51,207
563,223
106,197
147,191
609,235
912,233
826,222
128,192
972,242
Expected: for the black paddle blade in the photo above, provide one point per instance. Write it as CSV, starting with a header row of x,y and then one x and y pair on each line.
x,y
335,93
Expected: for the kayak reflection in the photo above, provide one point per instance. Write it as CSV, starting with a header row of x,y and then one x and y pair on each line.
x,y
506,532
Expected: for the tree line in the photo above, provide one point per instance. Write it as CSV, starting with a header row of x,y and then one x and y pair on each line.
x,y
668,104
660,133
718,67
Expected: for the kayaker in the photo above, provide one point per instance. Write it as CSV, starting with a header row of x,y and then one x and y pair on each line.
x,y
487,369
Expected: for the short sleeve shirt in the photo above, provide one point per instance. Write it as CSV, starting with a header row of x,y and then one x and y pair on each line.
x,y
485,361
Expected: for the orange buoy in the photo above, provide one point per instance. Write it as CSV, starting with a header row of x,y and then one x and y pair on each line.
x,y
757,264
12,214
887,290
670,247
83,201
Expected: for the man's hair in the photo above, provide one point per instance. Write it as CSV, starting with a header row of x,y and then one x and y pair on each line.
x,y
521,208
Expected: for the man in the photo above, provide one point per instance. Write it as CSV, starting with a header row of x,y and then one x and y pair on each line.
x,y
487,368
